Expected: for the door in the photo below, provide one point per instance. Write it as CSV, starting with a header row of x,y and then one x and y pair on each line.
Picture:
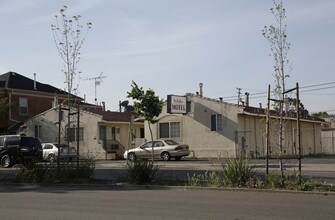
x,y
158,148
116,133
145,150
102,136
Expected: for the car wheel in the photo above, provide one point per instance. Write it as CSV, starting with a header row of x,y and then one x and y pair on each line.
x,y
165,156
51,158
5,161
177,158
131,156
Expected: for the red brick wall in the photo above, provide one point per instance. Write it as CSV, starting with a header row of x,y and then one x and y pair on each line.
x,y
36,105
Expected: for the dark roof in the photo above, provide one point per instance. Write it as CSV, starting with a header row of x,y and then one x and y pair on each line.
x,y
118,116
12,80
261,111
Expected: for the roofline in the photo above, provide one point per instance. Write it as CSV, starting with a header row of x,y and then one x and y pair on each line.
x,y
36,93
285,118
120,122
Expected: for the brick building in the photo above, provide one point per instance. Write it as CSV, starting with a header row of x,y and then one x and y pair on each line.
x,y
27,98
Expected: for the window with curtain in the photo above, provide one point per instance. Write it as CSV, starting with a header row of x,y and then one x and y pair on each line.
x,y
216,122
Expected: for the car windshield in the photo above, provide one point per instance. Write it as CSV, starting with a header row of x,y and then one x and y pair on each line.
x,y
171,142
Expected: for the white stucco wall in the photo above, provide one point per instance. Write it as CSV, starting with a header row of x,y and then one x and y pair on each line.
x,y
196,127
252,132
90,146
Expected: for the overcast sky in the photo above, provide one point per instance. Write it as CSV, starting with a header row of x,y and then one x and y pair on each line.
x,y
171,46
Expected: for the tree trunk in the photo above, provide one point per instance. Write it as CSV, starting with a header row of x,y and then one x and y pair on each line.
x,y
152,144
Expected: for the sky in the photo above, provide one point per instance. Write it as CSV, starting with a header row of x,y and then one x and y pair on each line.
x,y
170,46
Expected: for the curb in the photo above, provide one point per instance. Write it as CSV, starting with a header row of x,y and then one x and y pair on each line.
x,y
121,186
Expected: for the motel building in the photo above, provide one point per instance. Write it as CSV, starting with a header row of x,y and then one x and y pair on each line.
x,y
217,129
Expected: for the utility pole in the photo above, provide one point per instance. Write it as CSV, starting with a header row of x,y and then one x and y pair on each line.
x,y
97,82
298,127
267,130
298,131
238,95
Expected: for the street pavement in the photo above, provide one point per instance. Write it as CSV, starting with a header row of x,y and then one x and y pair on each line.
x,y
321,169
113,202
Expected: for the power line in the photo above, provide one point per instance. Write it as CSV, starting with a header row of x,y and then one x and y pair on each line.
x,y
322,84
329,87
252,95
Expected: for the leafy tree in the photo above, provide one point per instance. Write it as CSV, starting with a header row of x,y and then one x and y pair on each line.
x,y
292,103
323,115
147,105
4,106
277,36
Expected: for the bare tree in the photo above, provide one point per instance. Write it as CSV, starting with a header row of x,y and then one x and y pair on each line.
x,y
69,36
277,36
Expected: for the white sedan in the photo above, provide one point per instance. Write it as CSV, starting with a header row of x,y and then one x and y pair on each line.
x,y
165,149
50,152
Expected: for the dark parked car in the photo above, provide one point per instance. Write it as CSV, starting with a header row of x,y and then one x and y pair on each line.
x,y
15,149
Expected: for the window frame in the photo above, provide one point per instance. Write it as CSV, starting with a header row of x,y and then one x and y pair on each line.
x,y
73,136
174,130
23,106
216,122
38,131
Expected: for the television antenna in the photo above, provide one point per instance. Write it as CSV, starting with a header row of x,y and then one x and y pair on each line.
x,y
97,82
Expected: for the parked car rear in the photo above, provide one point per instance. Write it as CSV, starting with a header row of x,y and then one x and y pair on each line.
x,y
16,149
50,152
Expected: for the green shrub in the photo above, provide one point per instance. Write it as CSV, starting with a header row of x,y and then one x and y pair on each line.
x,y
141,171
273,181
208,179
51,173
238,173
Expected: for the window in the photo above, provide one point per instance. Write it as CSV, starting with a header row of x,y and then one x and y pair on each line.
x,y
158,144
169,130
23,106
116,133
38,131
216,122
147,145
47,146
72,134
164,130
141,132
174,129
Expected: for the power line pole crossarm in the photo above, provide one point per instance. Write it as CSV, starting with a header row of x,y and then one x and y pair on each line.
x,y
97,81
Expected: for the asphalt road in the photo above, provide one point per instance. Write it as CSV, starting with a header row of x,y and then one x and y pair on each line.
x,y
106,202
